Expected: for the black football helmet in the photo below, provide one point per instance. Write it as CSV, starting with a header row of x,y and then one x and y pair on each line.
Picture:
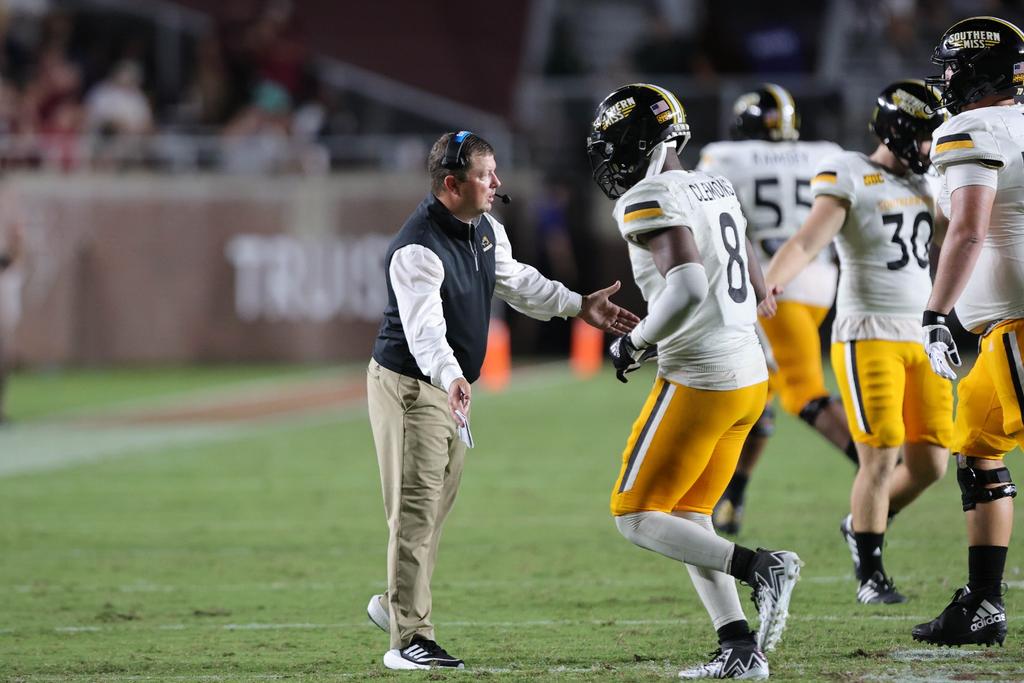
x,y
629,124
768,113
980,56
906,113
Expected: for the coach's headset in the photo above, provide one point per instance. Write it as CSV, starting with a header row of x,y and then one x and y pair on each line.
x,y
454,160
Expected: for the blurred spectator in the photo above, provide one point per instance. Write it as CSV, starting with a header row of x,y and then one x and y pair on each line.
x,y
257,140
275,48
117,106
208,98
118,117
52,108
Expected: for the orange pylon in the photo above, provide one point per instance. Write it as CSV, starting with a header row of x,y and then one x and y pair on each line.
x,y
497,367
587,349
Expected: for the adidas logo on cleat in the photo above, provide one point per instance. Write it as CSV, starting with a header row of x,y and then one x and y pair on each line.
x,y
987,615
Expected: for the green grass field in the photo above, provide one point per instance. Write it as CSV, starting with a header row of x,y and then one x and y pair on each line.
x,y
249,552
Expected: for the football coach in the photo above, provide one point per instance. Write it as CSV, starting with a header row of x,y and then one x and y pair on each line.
x,y
442,269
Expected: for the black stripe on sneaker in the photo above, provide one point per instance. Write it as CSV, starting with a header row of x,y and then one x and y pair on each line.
x,y
643,435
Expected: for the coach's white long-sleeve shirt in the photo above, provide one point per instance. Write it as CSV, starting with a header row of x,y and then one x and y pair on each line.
x,y
416,275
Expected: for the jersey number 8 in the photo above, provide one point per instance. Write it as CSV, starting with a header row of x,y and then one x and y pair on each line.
x,y
734,249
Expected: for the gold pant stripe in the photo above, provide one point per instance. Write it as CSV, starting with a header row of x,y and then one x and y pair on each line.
x,y
636,458
1016,369
854,381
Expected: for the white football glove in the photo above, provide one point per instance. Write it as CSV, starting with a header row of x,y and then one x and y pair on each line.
x,y
939,345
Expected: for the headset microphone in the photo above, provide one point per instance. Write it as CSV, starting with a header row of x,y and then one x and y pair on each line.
x,y
505,198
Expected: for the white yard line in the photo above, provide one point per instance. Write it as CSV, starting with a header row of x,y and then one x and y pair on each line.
x,y
526,623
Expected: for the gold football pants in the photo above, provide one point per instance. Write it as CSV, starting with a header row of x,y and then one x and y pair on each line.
x,y
793,333
891,395
684,447
988,414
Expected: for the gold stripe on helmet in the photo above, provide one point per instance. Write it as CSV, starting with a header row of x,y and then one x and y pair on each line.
x,y
670,99
787,107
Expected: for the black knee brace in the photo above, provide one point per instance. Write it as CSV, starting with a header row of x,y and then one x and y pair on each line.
x,y
809,413
973,483
765,425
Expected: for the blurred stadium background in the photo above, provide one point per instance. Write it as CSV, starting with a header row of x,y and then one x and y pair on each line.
x,y
205,190
215,181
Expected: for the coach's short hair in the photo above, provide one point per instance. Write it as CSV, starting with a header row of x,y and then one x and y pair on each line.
x,y
474,145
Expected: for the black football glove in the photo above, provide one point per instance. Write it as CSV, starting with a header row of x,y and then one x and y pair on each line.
x,y
626,357
939,345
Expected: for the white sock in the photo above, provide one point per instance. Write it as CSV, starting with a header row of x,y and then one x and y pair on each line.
x,y
717,590
681,539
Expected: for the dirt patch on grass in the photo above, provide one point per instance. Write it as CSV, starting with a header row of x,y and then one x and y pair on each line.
x,y
266,402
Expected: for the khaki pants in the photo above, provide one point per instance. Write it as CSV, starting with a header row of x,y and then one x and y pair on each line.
x,y
420,457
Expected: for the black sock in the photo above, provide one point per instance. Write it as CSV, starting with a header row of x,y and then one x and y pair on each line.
x,y
851,453
869,548
742,563
985,568
736,488
735,630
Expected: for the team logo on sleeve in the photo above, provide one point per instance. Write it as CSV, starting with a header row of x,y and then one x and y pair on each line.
x,y
641,210
829,177
948,143
873,179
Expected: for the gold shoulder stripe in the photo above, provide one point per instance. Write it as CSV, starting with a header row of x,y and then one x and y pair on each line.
x,y
825,177
642,213
958,144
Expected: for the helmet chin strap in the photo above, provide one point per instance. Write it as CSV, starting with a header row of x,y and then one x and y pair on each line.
x,y
658,158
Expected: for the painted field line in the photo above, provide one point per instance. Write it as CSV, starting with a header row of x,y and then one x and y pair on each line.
x,y
529,623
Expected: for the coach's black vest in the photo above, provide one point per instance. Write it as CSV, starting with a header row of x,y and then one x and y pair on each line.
x,y
467,254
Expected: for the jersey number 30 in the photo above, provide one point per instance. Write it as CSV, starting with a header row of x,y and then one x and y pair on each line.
x,y
734,248
896,219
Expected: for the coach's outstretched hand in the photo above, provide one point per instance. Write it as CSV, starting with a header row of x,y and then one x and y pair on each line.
x,y
600,312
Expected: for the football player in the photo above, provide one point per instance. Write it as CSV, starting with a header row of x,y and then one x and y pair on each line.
x,y
771,170
879,211
695,268
980,154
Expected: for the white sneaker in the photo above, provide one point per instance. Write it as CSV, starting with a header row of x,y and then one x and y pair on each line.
x,y
378,613
421,654
742,661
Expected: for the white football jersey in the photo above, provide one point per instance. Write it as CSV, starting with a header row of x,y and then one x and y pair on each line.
x,y
883,248
716,347
773,185
993,137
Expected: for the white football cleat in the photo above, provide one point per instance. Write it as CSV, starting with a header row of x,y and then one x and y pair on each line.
x,y
378,613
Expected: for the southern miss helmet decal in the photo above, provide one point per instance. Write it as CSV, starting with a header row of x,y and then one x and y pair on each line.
x,y
629,124
614,113
979,57
905,114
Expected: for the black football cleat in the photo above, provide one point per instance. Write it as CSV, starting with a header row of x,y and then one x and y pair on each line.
x,y
970,619
879,590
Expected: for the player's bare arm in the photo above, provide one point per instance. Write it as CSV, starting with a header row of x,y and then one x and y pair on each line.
x,y
756,276
971,209
822,225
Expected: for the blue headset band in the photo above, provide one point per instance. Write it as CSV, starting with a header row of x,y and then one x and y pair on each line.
x,y
453,151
